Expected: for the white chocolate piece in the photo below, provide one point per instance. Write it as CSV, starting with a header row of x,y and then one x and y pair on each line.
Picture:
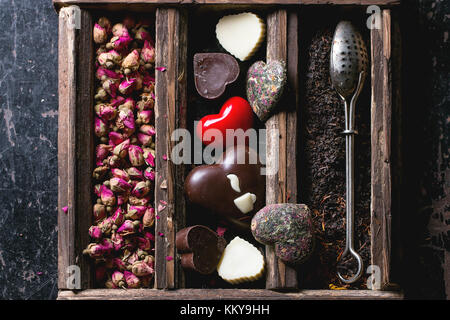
x,y
240,262
241,34
245,202
234,181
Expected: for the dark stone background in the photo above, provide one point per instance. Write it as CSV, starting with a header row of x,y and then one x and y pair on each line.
x,y
28,150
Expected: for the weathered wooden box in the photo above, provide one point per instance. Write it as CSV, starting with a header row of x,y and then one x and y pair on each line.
x,y
76,142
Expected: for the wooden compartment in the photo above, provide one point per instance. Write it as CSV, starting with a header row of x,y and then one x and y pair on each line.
x,y
76,143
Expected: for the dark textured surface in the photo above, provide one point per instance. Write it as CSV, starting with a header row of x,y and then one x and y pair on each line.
x,y
28,149
28,144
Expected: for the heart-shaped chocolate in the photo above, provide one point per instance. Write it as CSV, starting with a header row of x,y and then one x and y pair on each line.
x,y
212,73
289,227
265,85
233,188
200,248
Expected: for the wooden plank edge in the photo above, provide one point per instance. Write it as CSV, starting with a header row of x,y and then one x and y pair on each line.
x,y
381,180
227,294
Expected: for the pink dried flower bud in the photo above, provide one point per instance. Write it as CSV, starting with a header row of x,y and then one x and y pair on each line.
x,y
100,34
107,196
105,23
103,74
135,201
118,216
119,43
125,118
106,225
148,53
118,279
134,173
119,264
119,173
135,212
149,156
149,236
144,244
149,174
115,138
122,198
114,161
148,129
101,95
101,152
121,150
100,127
119,30
95,232
126,87
132,280
142,34
117,101
140,268
127,104
141,189
118,242
138,80
119,185
114,56
128,227
136,155
144,139
131,62
149,218
146,102
110,87
99,250
110,285
105,111
145,116
99,212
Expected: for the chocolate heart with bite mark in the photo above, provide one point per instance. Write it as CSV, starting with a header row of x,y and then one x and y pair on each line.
x,y
200,248
233,188
288,227
265,85
213,72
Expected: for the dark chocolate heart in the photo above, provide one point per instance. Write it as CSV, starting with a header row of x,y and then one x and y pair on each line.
x,y
265,84
209,186
288,227
212,73
200,248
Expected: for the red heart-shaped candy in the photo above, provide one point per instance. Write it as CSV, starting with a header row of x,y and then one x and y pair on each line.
x,y
236,113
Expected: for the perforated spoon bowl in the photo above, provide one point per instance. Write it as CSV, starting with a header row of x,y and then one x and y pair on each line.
x,y
348,69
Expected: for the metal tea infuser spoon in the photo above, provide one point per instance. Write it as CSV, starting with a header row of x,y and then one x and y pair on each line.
x,y
348,69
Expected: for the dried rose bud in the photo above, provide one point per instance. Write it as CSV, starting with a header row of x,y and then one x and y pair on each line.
x,y
134,173
100,127
140,268
145,116
128,227
110,87
148,53
144,139
114,161
135,212
150,260
121,150
117,241
115,138
146,102
119,185
107,196
122,198
127,86
149,174
99,212
136,155
103,74
119,30
105,23
149,157
95,232
142,34
132,258
135,201
131,62
125,118
110,285
118,279
148,129
132,280
106,225
149,218
119,43
117,101
101,152
118,216
119,173
99,250
105,111
100,34
141,189
119,264
143,244
101,95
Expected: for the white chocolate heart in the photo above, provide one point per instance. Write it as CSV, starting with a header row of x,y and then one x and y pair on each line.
x,y
234,181
245,202
240,262
241,34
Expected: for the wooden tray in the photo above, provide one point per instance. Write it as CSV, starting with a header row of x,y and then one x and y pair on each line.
x,y
76,144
